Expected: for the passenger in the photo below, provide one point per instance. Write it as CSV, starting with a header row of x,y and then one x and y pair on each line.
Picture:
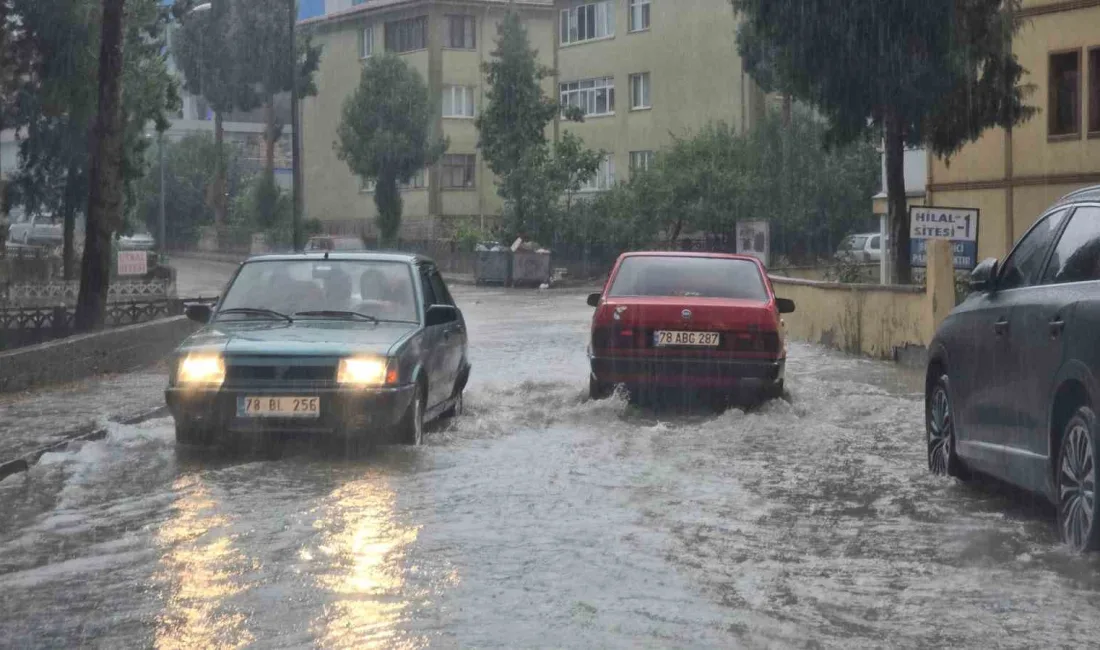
x,y
338,291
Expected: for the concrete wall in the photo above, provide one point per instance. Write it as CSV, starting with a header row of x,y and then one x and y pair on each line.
x,y
885,322
111,351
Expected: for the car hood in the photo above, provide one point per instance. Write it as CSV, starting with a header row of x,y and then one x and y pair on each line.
x,y
301,338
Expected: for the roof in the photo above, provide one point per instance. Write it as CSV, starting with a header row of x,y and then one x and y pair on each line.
x,y
1091,193
345,256
374,5
727,256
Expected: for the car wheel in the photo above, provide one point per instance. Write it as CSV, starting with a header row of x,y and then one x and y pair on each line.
x,y
598,389
774,391
940,428
191,434
1077,460
412,425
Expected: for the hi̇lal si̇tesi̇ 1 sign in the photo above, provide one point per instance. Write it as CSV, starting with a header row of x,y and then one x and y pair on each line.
x,y
958,225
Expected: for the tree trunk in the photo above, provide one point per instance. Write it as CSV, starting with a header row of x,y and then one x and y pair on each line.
x,y
105,175
219,171
787,102
895,191
270,136
68,213
387,198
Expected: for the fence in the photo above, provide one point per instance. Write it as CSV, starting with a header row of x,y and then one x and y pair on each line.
x,y
30,325
59,292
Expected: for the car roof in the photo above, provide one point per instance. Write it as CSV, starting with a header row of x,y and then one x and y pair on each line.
x,y
349,256
726,256
1091,193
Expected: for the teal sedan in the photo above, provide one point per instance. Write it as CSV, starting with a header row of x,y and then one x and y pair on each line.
x,y
362,347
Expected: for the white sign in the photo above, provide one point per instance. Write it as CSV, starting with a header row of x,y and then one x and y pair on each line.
x,y
133,263
753,239
957,224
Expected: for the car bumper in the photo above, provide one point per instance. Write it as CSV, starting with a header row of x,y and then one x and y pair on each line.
x,y
687,373
343,412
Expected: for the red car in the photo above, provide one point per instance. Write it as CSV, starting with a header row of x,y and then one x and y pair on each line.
x,y
695,321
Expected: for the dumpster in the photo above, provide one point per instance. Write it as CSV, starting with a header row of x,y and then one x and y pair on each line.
x,y
494,264
530,267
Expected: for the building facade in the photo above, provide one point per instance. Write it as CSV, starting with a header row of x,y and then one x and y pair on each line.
x,y
642,71
1013,176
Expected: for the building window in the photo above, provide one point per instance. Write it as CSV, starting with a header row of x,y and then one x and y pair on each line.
x,y
366,42
458,170
593,96
407,35
417,182
458,101
367,185
639,15
1065,94
1094,90
604,177
639,91
461,34
586,22
640,160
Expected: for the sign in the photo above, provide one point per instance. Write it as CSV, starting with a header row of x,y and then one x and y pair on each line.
x,y
753,238
957,225
133,263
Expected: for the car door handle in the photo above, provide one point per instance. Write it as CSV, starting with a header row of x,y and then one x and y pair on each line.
x,y
1001,326
1056,326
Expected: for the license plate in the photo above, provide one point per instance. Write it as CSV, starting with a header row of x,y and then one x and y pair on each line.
x,y
662,338
279,407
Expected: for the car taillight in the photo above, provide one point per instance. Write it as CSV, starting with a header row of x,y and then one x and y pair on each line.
x,y
612,336
754,341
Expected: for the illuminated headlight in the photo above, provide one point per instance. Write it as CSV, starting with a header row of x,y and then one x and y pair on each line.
x,y
363,371
201,369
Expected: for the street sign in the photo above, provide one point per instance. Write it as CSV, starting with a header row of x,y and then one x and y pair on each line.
x,y
957,225
133,263
752,239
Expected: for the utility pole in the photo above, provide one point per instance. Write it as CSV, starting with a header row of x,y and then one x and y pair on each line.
x,y
160,154
295,129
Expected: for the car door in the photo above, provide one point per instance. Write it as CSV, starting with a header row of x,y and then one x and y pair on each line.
x,y
454,334
1070,279
986,407
435,351
874,248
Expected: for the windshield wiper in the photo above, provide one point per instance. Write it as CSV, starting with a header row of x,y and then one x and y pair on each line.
x,y
336,313
257,311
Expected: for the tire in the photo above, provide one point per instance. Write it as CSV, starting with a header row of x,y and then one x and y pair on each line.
x,y
411,429
192,435
939,428
774,391
1078,457
598,390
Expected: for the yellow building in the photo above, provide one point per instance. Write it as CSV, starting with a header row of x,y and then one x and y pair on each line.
x,y
641,70
1012,176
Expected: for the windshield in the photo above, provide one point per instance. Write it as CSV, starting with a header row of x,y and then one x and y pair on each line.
x,y
702,277
381,290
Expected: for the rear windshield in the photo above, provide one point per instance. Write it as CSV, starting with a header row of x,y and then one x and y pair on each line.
x,y
702,277
854,243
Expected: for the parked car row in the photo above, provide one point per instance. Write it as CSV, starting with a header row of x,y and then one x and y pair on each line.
x,y
47,231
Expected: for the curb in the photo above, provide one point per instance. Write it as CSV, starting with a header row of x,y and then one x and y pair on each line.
x,y
87,433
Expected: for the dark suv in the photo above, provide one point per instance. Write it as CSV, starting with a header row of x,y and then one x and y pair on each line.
x,y
1011,387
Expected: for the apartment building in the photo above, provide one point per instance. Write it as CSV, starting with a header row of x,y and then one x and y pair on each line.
x,y
642,71
1012,176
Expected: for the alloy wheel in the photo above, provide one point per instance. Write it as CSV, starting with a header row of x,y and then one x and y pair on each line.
x,y
1076,486
940,432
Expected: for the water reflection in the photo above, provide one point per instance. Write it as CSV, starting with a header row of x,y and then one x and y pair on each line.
x,y
198,571
360,562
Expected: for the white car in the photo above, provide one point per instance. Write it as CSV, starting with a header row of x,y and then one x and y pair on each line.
x,y
863,247
139,241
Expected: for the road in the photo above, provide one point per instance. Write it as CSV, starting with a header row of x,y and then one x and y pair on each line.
x,y
540,519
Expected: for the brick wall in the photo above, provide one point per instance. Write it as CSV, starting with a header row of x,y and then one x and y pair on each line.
x,y
116,350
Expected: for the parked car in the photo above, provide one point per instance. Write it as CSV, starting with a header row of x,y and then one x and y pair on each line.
x,y
365,347
332,243
694,321
1011,386
864,247
34,229
139,241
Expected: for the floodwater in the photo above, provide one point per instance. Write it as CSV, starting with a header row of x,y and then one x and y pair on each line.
x,y
540,519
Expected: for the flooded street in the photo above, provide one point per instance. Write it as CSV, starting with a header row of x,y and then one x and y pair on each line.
x,y
539,519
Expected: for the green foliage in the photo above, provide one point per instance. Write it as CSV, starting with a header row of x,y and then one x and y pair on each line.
x,y
214,60
385,134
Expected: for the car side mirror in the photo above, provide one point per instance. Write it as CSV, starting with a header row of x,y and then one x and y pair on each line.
x,y
785,305
594,299
441,315
199,313
984,275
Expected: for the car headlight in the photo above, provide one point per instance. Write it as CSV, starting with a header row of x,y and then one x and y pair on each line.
x,y
201,369
365,371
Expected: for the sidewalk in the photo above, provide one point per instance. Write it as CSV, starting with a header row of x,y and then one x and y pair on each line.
x,y
31,420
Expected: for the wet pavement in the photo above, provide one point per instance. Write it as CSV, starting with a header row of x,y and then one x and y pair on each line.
x,y
539,519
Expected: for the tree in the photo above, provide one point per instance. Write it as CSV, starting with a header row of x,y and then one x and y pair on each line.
x,y
210,54
385,133
512,125
935,73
